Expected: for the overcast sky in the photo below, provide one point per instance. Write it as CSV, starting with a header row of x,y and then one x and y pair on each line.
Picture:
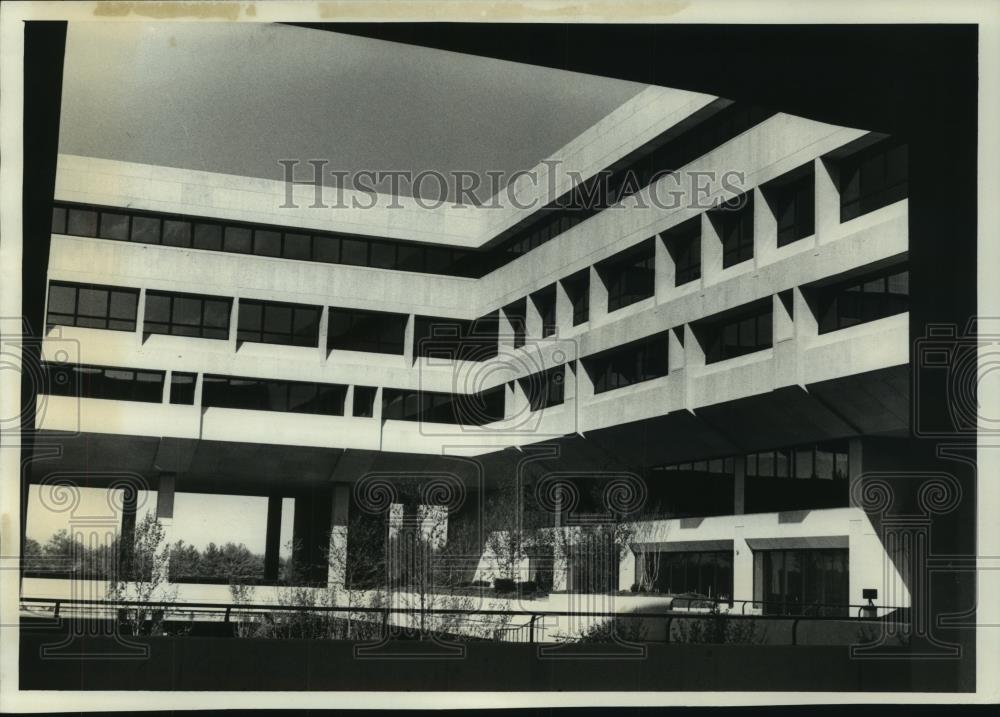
x,y
237,97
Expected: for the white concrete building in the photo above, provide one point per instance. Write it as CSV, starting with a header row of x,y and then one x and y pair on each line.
x,y
728,341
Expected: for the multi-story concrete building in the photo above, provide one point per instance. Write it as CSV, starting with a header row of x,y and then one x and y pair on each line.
x,y
719,334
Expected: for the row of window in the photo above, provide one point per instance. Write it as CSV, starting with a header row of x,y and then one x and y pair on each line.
x,y
786,582
261,240
625,365
822,460
433,407
868,179
545,388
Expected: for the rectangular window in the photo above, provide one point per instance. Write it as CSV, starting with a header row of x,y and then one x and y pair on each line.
x,y
145,230
237,240
708,573
81,222
177,233
860,300
364,401
792,202
90,306
827,461
425,406
625,365
182,388
578,290
802,582
58,220
733,221
208,236
272,395
372,331
684,244
114,226
277,323
545,388
205,317
267,242
737,334
110,383
297,246
629,276
354,252
873,178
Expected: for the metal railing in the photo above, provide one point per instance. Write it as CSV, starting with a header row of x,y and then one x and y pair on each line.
x,y
533,630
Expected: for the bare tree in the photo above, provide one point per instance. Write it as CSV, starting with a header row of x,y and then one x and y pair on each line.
x,y
140,575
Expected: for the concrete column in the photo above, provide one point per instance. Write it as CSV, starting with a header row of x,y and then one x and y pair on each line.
x,y
337,576
564,310
666,271
234,324
711,251
806,326
694,358
165,490
349,401
827,202
598,297
765,229
324,332
165,394
786,364
739,485
140,317
409,349
129,509
743,572
272,538
532,320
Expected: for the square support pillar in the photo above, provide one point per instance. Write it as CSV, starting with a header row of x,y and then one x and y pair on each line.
x,y
827,197
140,317
165,496
272,538
340,514
694,359
664,272
739,485
409,344
743,569
234,324
324,332
598,297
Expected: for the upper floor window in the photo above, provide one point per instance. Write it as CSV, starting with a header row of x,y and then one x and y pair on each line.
x,y
577,289
434,407
733,221
267,322
684,244
372,331
182,387
272,395
630,275
364,401
862,299
545,388
873,178
204,317
545,304
823,460
625,365
107,382
456,339
737,333
791,199
91,306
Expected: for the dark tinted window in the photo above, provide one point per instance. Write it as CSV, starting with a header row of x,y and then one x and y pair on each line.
x,y
737,334
859,300
277,323
90,306
373,331
873,178
182,388
629,276
733,221
625,365
187,315
684,244
118,384
271,395
146,230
